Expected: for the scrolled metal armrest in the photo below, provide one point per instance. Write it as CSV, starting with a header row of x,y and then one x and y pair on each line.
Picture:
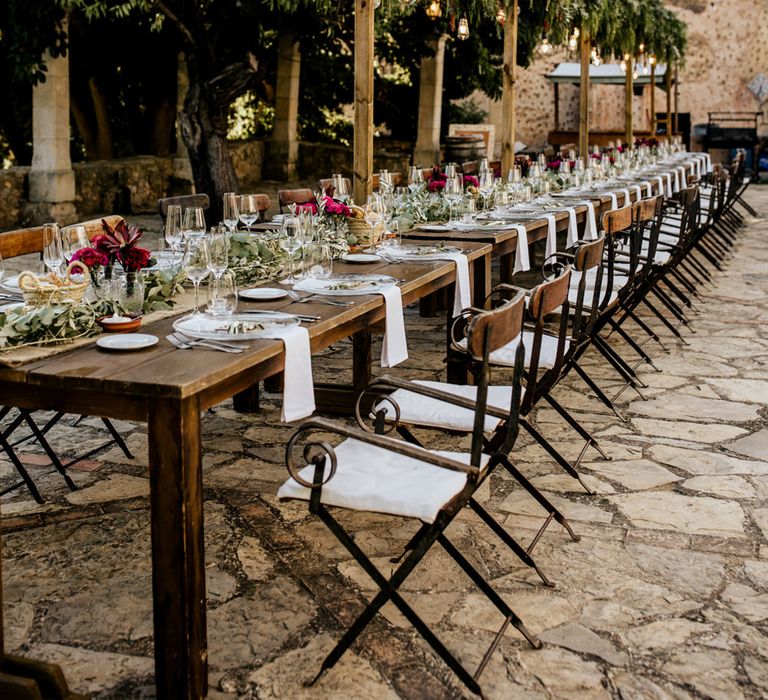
x,y
315,452
387,443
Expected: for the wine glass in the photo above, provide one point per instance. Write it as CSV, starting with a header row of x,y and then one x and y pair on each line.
x,y
385,181
249,210
374,215
453,193
172,230
341,191
222,296
218,254
194,223
415,178
290,243
195,264
486,183
231,214
2,267
53,252
73,238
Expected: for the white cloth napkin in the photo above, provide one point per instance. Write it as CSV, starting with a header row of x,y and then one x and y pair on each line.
x,y
638,191
627,200
551,234
668,178
573,227
648,188
462,297
660,182
522,257
298,387
697,166
708,161
395,347
614,201
590,230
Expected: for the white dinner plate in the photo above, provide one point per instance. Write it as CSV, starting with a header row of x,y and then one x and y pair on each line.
x,y
11,284
419,252
127,341
345,285
361,258
435,228
263,293
246,326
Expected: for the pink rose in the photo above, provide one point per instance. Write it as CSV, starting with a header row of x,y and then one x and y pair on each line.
x,y
336,208
471,181
134,259
436,185
311,207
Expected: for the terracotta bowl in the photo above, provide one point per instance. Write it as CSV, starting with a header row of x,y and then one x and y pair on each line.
x,y
127,326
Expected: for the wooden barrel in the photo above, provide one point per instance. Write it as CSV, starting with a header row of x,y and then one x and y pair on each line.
x,y
461,148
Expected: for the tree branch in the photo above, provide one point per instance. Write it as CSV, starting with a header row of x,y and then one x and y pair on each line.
x,y
173,18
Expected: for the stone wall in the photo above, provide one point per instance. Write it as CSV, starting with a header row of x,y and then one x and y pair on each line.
x,y
728,47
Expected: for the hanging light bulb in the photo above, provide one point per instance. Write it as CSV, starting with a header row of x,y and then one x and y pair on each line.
x,y
434,10
652,59
641,48
501,15
545,48
463,30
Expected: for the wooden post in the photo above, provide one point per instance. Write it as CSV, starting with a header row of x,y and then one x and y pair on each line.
x,y
586,49
557,106
675,123
509,76
653,100
668,81
628,103
362,184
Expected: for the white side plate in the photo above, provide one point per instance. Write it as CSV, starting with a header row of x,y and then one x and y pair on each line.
x,y
127,341
263,293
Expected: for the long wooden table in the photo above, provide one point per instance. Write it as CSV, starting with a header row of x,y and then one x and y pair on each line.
x,y
168,389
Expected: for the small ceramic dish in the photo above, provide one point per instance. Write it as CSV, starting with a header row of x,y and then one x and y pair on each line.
x,y
120,324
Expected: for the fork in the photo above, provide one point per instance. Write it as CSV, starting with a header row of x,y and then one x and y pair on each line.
x,y
213,341
306,300
187,345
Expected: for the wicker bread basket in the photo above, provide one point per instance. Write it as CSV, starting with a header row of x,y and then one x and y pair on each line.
x,y
41,290
365,234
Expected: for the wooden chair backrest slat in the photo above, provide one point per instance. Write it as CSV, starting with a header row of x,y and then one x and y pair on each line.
x,y
297,196
26,241
617,220
551,295
644,210
185,201
497,327
589,255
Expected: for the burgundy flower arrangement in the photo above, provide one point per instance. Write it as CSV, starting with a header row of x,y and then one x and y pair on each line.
x,y
118,244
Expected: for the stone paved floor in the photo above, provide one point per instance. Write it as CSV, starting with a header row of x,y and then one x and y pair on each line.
x,y
665,596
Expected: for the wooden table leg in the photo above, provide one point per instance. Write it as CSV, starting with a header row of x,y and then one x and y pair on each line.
x,y
178,558
247,401
481,280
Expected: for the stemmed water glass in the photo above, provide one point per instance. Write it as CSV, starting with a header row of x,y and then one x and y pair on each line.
x,y
290,242
453,192
415,178
218,257
73,238
231,213
195,264
172,231
194,223
486,184
374,215
249,210
53,252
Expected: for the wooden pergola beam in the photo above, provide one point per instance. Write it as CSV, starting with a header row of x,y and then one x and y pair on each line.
x,y
628,87
509,77
653,99
362,180
586,49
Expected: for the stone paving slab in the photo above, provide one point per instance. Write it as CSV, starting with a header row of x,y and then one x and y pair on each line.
x,y
664,597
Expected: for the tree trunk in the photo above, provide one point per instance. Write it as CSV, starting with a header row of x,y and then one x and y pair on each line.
x,y
104,148
83,126
203,128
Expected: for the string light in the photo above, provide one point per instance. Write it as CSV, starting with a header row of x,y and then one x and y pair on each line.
x,y
463,31
652,59
434,10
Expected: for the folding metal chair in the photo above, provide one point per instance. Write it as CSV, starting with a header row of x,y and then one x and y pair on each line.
x,y
378,473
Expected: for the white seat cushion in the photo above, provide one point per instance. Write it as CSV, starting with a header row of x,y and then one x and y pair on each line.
x,y
619,280
372,479
586,308
424,410
505,356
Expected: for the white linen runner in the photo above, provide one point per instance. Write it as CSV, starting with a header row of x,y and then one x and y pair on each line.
x,y
298,387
